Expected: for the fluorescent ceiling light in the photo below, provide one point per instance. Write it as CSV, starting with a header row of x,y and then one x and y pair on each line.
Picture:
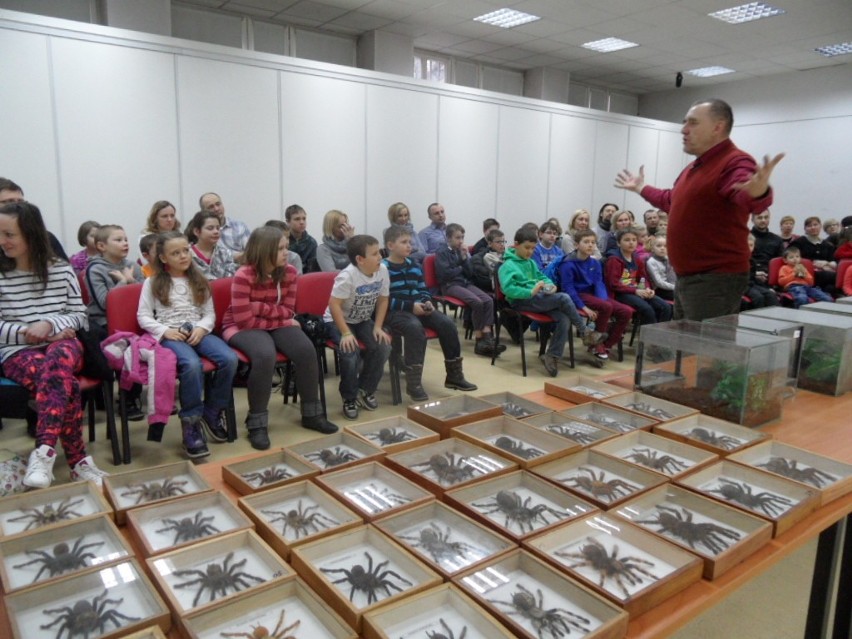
x,y
608,45
746,13
506,18
835,49
709,72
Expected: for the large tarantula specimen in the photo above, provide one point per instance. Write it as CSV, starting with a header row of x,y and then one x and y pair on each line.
x,y
301,520
218,578
714,439
329,458
371,581
515,410
439,545
434,634
86,617
609,565
388,436
595,485
609,422
517,448
790,468
647,409
447,468
517,512
679,524
741,493
575,431
555,621
50,514
152,491
262,632
62,559
269,475
187,529
653,460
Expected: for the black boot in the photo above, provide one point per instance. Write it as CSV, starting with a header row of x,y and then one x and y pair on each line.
x,y
455,376
314,419
258,430
413,383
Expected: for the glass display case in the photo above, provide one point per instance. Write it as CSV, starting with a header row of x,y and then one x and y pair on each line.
x,y
441,415
393,434
579,389
24,512
515,406
657,453
267,471
716,435
333,452
739,376
567,426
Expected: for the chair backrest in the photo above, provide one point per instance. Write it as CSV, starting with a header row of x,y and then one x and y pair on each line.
x,y
220,290
499,296
430,277
84,288
841,273
313,291
122,304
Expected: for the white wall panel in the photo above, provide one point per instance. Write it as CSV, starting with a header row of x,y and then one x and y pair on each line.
x,y
402,154
670,158
641,151
229,137
572,155
610,158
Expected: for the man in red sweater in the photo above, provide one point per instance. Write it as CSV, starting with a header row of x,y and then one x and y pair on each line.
x,y
709,207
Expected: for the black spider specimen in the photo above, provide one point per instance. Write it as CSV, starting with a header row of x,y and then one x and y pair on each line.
x,y
329,458
679,524
517,448
388,436
50,514
217,578
647,409
609,422
87,617
767,502
789,468
519,513
515,410
715,439
152,491
439,545
595,485
268,475
433,634
63,558
262,632
609,565
555,621
370,581
301,520
653,460
575,431
375,499
447,468
187,529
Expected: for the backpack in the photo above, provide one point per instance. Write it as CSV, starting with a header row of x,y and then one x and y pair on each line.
x,y
551,271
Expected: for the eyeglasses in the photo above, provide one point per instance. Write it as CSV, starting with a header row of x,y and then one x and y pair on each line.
x,y
498,241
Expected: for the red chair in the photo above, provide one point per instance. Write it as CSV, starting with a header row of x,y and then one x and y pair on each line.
x,y
430,278
312,294
84,288
841,274
775,265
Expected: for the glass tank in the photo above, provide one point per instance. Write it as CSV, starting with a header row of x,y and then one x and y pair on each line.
x,y
736,375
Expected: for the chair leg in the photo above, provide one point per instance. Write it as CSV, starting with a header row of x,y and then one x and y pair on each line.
x,y
109,409
393,370
570,349
231,418
89,401
523,349
125,426
322,367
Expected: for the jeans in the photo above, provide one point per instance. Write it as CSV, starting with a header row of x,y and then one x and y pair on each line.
x,y
704,295
803,294
481,304
561,310
372,360
606,310
411,327
191,376
650,311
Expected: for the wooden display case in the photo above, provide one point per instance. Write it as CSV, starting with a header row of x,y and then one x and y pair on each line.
x,y
515,406
267,471
373,490
581,389
628,565
330,565
288,609
721,535
156,484
646,405
122,594
603,480
711,433
449,463
25,512
523,443
188,520
292,515
442,415
659,454
208,574
535,600
444,611
780,501
831,478
152,632
609,417
393,434
333,452
48,554
445,539
564,425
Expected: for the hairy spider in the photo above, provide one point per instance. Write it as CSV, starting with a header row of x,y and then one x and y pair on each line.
x,y
555,621
50,514
328,457
63,558
609,565
518,513
268,475
374,499
86,617
301,520
595,485
217,578
515,410
433,634
714,439
370,581
609,422
647,409
789,468
517,448
152,491
387,436
187,529
575,431
653,460
741,493
678,523
447,468
262,632
438,544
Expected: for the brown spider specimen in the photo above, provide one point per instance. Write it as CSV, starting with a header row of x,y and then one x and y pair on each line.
x,y
741,493
515,410
789,468
434,634
609,565
262,632
714,439
517,448
187,529
555,621
387,436
595,485
648,409
301,520
50,514
217,578
679,524
609,422
152,491
268,475
573,431
447,468
518,513
370,581
328,457
86,617
438,544
63,558
653,460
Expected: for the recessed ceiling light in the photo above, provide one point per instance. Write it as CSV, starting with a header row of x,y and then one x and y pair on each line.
x,y
746,13
506,18
709,72
835,49
609,44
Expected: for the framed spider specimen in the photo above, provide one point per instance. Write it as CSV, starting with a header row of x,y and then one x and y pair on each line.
x,y
581,389
267,471
710,433
515,406
610,417
29,511
516,440
656,453
647,405
371,579
444,414
337,451
394,434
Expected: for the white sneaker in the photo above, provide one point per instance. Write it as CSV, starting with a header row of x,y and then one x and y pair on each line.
x,y
85,470
40,467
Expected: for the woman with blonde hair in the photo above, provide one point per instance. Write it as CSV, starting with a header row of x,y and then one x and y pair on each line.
x,y
162,218
399,215
581,220
336,231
